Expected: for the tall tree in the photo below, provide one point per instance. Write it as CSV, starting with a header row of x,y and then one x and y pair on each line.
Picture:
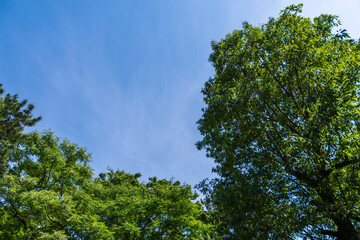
x,y
15,114
282,122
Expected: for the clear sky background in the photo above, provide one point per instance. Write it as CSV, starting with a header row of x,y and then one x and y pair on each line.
x,y
123,78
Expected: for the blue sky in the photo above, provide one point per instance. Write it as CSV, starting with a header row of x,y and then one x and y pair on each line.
x,y
123,78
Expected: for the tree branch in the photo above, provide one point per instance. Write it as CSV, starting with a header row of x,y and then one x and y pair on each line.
x,y
329,232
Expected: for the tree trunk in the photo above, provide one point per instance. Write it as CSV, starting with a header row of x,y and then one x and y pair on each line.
x,y
346,230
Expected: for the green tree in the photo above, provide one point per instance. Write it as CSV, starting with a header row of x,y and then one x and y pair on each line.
x,y
14,116
282,122
42,195
158,209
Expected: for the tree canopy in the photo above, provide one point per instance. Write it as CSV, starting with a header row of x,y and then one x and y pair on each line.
x,y
282,122
42,195
158,209
48,191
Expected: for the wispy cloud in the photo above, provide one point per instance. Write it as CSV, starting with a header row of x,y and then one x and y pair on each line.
x,y
123,78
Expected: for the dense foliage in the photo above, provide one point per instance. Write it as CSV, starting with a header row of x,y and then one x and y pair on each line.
x,y
42,195
158,209
282,122
47,191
